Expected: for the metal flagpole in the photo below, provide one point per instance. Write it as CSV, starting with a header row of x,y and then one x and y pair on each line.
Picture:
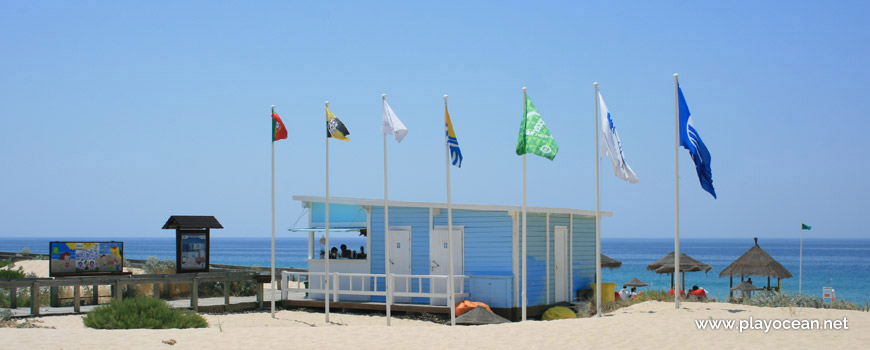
x,y
387,261
676,286
598,290
328,287
272,277
451,283
525,301
801,262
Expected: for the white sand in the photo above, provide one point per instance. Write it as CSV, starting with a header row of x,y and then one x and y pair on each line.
x,y
40,267
645,325
650,324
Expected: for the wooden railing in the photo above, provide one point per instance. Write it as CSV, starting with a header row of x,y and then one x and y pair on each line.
x,y
119,282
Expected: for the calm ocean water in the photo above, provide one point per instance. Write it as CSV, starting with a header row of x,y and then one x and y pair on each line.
x,y
841,263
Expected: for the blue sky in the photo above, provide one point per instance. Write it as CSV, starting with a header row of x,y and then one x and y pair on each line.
x,y
116,115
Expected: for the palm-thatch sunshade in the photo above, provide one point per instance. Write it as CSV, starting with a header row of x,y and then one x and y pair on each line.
x,y
745,287
635,283
609,262
687,264
756,262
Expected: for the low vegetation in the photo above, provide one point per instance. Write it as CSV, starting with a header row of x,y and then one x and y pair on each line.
x,y
783,299
141,312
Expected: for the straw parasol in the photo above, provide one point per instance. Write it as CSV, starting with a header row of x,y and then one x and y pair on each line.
x,y
609,262
745,287
755,262
635,283
687,264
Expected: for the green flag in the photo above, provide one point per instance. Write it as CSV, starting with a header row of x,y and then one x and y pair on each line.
x,y
534,137
805,226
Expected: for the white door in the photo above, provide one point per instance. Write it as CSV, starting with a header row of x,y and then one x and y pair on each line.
x,y
561,267
400,260
439,259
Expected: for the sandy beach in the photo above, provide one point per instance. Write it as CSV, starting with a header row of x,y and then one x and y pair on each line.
x,y
646,324
651,323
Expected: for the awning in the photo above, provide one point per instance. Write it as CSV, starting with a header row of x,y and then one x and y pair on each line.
x,y
320,229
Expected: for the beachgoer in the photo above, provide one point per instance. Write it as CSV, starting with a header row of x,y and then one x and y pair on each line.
x,y
344,252
362,253
633,292
333,253
749,280
623,293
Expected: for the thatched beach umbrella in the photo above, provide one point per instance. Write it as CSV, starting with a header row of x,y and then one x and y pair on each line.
x,y
609,262
745,287
687,264
755,262
636,283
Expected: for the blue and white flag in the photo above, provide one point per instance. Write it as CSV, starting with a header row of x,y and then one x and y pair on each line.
x,y
612,147
691,140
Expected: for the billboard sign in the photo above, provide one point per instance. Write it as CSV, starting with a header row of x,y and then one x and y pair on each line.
x,y
86,258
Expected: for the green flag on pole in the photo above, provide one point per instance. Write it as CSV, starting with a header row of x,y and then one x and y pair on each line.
x,y
534,136
805,226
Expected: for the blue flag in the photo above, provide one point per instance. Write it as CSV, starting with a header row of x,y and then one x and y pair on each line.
x,y
452,142
691,140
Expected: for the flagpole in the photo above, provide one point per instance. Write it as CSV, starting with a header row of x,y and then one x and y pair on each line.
x,y
597,214
388,280
801,262
525,301
272,276
328,251
676,286
451,283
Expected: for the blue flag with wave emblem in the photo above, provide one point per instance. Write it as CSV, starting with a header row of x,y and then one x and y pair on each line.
x,y
691,140
452,142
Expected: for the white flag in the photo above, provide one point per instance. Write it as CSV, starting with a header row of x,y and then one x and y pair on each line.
x,y
392,124
612,147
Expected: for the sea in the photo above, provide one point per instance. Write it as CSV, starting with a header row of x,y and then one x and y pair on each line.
x,y
843,264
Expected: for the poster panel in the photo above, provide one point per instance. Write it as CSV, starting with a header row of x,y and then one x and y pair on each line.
x,y
86,258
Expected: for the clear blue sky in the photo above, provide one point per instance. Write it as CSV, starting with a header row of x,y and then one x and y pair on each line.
x,y
116,115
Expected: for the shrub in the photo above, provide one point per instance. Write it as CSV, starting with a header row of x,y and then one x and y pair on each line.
x,y
4,263
141,312
783,299
25,251
10,273
156,266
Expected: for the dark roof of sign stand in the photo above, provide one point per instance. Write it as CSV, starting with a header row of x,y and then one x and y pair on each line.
x,y
191,222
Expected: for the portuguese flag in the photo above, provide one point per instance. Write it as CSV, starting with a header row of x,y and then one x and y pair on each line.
x,y
279,132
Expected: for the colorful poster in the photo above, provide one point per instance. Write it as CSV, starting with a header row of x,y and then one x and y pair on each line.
x,y
86,258
193,251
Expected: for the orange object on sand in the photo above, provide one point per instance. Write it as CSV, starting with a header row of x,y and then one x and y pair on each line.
x,y
466,306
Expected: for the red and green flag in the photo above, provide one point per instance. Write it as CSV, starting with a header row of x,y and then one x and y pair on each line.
x,y
279,132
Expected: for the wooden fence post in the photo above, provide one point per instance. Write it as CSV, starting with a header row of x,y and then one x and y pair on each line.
x,y
96,295
259,295
194,294
118,290
227,292
156,290
77,301
34,298
53,297
13,298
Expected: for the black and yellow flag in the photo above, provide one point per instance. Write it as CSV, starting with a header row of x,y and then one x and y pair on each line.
x,y
335,128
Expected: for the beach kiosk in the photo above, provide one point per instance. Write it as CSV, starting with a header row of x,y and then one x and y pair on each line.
x,y
192,235
560,253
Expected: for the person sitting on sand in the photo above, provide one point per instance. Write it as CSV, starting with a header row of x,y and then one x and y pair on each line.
x,y
700,293
623,293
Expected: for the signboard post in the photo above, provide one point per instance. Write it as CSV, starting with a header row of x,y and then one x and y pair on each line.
x,y
192,234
